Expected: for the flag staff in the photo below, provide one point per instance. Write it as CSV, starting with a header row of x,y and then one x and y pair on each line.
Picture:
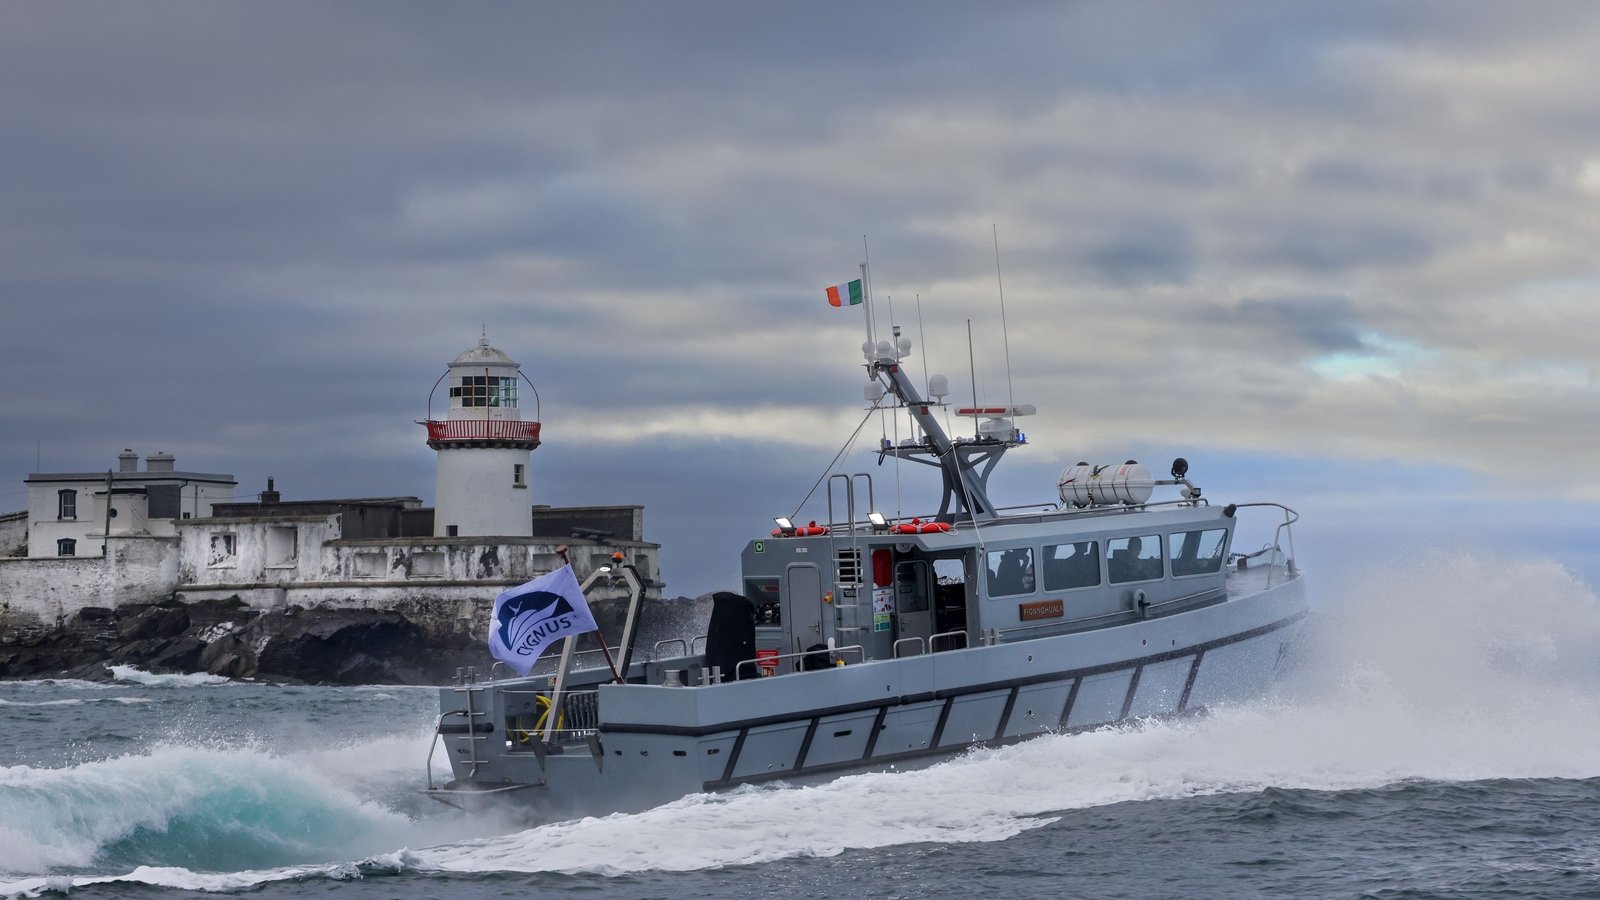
x,y
561,551
866,293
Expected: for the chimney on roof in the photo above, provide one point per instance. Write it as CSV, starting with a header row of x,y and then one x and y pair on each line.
x,y
127,461
159,461
270,496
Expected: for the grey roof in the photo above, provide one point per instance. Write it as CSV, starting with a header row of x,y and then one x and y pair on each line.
x,y
137,477
483,355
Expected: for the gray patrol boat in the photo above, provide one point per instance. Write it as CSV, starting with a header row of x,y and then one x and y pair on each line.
x,y
865,642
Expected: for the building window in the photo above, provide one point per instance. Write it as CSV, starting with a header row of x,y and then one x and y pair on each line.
x,y
224,549
519,477
66,547
486,390
450,530
283,546
66,505
427,564
369,564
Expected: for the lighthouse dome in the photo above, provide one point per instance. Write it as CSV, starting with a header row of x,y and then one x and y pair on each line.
x,y
483,355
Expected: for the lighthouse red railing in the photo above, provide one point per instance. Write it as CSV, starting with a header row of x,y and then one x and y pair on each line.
x,y
482,430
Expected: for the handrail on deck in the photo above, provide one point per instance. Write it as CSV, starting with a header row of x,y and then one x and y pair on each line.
x,y
933,642
1285,527
656,652
922,646
434,744
769,660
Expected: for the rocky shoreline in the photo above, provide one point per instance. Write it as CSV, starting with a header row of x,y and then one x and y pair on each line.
x,y
227,638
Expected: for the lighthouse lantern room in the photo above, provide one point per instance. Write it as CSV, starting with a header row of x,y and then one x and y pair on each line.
x,y
483,446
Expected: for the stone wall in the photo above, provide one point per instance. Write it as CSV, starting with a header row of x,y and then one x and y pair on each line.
x,y
14,533
137,569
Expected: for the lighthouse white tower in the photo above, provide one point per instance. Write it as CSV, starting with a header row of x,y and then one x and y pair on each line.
x,y
483,445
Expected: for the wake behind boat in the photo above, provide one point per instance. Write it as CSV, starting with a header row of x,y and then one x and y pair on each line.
x,y
863,642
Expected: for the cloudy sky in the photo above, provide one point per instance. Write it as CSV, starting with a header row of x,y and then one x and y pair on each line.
x,y
1339,255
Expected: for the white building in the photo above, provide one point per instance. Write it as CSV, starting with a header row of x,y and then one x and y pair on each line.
x,y
72,513
181,534
483,446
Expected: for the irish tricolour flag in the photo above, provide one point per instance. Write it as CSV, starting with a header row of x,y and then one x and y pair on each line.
x,y
850,292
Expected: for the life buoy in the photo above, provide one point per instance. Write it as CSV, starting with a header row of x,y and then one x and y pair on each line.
x,y
917,526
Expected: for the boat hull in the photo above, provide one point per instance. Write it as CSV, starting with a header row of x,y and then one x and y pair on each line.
x,y
656,743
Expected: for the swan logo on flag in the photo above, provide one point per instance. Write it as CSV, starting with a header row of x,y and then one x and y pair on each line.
x,y
528,618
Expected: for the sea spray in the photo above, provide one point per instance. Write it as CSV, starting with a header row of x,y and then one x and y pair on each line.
x,y
182,805
1443,667
154,679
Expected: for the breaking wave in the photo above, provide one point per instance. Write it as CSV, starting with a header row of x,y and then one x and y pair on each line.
x,y
1448,668
152,679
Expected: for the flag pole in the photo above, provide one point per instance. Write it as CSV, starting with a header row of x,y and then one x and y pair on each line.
x,y
561,551
866,307
866,290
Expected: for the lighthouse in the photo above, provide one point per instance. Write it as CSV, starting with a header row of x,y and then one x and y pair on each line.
x,y
483,446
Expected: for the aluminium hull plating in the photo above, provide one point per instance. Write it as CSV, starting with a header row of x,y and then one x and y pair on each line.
x,y
655,743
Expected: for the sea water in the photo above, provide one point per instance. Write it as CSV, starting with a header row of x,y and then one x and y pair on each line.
x,y
1440,736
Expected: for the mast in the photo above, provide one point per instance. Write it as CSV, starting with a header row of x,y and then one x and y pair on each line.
x,y
965,463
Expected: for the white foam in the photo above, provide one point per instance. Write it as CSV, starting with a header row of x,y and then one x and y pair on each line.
x,y
1446,667
75,702
73,814
151,679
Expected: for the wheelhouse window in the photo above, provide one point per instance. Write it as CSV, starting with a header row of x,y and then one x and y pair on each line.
x,y
486,390
1135,558
1197,552
1069,566
66,506
1011,572
66,547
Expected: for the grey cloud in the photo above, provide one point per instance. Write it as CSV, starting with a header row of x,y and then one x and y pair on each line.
x,y
1326,324
257,233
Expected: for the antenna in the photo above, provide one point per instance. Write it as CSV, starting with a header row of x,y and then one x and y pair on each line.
x,y
922,336
1005,334
866,275
972,367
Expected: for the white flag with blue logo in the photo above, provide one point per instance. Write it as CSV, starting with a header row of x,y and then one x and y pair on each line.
x,y
530,617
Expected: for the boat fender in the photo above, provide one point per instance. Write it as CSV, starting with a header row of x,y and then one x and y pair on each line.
x,y
1140,602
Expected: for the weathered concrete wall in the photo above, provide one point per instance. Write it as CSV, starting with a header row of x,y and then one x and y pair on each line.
x,y
136,570
14,533
266,552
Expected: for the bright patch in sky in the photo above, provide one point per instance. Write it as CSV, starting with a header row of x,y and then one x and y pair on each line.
x,y
1382,356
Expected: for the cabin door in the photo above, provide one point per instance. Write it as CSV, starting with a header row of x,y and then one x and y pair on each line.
x,y
803,592
913,602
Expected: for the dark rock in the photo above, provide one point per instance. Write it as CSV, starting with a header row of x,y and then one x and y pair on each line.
x,y
89,671
153,622
230,665
325,646
363,669
181,655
